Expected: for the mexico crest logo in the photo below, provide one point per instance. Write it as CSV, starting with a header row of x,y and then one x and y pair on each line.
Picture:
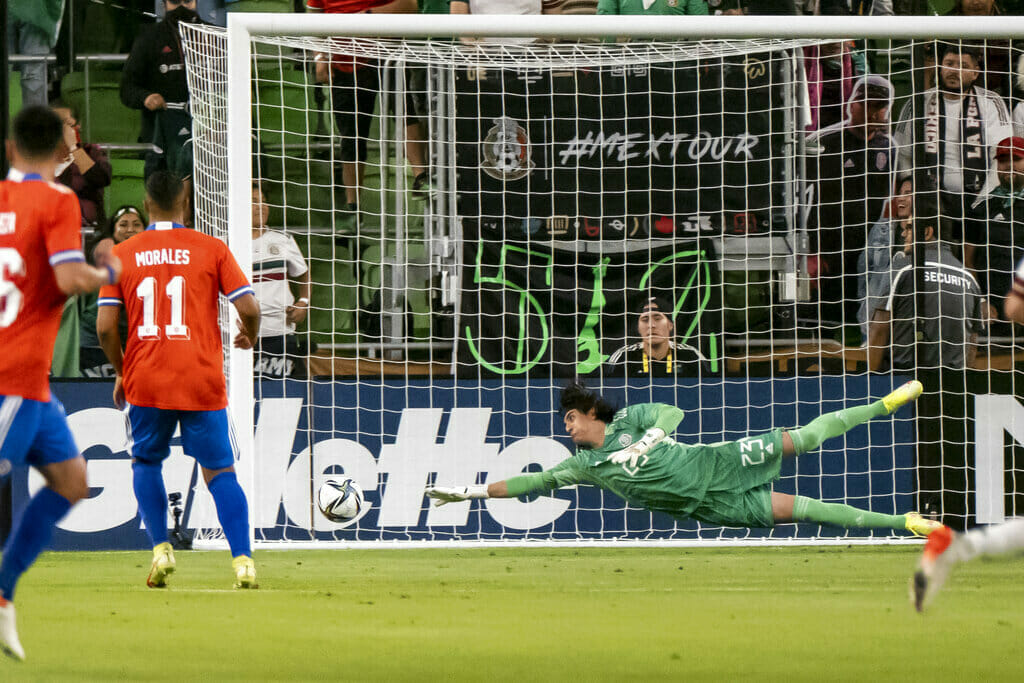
x,y
507,151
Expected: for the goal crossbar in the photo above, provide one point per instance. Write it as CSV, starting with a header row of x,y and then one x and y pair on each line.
x,y
637,27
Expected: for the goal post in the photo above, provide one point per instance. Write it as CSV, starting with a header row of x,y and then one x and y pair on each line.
x,y
564,179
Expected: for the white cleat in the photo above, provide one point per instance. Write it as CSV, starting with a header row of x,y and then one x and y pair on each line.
x,y
9,642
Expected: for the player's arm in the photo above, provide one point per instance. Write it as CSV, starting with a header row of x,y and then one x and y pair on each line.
x,y
78,277
107,316
565,473
1014,306
658,419
878,338
296,313
248,321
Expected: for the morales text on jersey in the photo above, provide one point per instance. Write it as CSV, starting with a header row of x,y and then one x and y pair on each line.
x,y
160,257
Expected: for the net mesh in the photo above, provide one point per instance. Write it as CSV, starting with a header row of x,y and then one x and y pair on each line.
x,y
482,223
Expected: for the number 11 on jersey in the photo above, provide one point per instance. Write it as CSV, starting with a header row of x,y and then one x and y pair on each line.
x,y
175,291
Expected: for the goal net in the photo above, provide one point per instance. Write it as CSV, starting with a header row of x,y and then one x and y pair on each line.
x,y
716,224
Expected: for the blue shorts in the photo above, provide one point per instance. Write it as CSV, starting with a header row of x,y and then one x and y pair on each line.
x,y
33,433
206,435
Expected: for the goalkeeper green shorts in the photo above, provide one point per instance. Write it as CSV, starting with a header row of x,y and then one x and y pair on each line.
x,y
740,490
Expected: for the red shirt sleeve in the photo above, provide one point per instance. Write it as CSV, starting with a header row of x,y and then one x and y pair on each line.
x,y
110,295
63,237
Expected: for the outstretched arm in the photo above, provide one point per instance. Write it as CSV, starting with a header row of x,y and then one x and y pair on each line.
x,y
563,474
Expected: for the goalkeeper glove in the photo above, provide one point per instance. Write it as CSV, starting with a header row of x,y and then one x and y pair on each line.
x,y
455,494
631,454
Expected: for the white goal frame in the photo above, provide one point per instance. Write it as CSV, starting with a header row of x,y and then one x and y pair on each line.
x,y
241,27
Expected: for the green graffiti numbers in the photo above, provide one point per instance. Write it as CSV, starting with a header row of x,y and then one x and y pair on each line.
x,y
528,305
586,342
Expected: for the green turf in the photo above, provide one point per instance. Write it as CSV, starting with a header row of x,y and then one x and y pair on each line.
x,y
793,614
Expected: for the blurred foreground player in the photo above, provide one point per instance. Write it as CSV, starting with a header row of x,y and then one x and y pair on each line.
x,y
631,454
171,371
41,263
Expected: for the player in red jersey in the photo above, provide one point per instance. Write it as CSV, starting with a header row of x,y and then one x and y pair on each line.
x,y
171,372
41,263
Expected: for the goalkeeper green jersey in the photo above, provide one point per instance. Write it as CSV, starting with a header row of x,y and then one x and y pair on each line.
x,y
673,478
652,7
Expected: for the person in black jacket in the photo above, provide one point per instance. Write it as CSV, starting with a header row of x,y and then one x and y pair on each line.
x,y
658,353
154,82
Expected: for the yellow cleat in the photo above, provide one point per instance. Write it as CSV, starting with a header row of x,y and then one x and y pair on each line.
x,y
163,566
245,572
903,395
920,526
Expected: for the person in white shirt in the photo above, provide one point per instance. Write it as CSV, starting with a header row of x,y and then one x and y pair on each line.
x,y
950,132
279,274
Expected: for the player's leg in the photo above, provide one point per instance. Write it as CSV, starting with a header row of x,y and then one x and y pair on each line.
x,y
35,433
804,439
149,436
343,103
366,85
789,508
209,437
946,548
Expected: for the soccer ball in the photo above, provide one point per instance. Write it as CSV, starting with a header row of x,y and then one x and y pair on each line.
x,y
340,499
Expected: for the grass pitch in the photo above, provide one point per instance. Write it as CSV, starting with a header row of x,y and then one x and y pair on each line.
x,y
830,613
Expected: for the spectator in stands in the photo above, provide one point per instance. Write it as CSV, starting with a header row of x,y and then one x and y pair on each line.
x,y
279,272
691,7
830,78
657,354
933,314
756,7
849,163
417,112
994,229
126,222
85,169
574,7
154,82
32,28
1016,100
354,84
877,264
948,134
994,53
508,7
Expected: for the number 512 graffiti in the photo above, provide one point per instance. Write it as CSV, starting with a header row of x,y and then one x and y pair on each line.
x,y
587,343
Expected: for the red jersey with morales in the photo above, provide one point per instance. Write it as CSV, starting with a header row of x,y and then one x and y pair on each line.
x,y
39,229
170,286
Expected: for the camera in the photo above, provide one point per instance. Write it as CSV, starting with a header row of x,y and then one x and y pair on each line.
x,y
181,539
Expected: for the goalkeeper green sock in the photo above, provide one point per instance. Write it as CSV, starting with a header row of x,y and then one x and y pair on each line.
x,y
811,510
833,424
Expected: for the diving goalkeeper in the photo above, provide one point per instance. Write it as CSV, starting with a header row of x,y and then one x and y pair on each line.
x,y
631,454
